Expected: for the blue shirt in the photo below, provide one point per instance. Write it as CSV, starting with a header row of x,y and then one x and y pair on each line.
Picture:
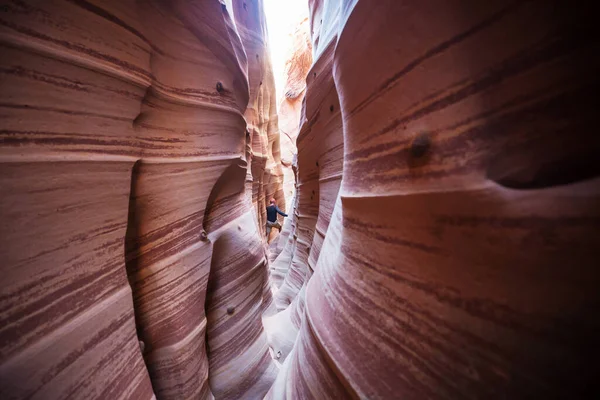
x,y
272,212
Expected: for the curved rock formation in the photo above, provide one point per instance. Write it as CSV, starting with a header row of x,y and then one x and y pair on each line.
x,y
320,163
290,109
459,260
299,61
128,120
261,113
444,241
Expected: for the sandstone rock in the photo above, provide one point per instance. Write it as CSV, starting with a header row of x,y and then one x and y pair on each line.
x,y
126,122
290,109
444,237
459,259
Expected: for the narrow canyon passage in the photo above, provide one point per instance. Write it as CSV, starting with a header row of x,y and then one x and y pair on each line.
x,y
437,162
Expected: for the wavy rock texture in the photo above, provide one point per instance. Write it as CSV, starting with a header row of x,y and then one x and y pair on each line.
x,y
320,163
127,120
261,114
290,109
444,239
299,61
460,249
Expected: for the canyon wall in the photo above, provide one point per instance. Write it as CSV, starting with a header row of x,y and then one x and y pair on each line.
x,y
299,61
138,145
444,237
448,213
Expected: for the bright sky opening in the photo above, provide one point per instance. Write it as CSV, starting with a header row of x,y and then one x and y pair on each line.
x,y
282,18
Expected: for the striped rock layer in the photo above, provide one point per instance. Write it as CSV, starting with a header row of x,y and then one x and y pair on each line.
x,y
290,111
445,239
137,140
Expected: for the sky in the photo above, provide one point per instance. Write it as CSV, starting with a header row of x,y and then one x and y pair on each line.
x,y
282,18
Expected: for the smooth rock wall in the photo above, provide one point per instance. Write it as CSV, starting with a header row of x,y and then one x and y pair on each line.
x,y
299,61
460,258
290,110
125,216
444,239
320,163
261,113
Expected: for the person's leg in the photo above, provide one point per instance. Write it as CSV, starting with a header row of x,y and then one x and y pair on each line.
x,y
278,226
268,230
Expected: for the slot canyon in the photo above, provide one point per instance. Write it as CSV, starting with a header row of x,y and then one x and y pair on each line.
x,y
437,161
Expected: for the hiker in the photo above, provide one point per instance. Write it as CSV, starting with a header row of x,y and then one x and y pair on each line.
x,y
272,211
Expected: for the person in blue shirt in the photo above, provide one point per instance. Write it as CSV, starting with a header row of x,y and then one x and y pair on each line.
x,y
272,211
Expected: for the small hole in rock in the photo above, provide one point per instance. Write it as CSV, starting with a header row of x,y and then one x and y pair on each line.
x,y
230,310
420,145
219,87
331,108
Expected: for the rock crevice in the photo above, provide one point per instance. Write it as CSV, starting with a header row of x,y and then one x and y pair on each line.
x,y
443,231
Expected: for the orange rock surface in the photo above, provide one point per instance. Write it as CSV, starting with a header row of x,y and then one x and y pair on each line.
x,y
132,256
290,109
448,208
443,238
